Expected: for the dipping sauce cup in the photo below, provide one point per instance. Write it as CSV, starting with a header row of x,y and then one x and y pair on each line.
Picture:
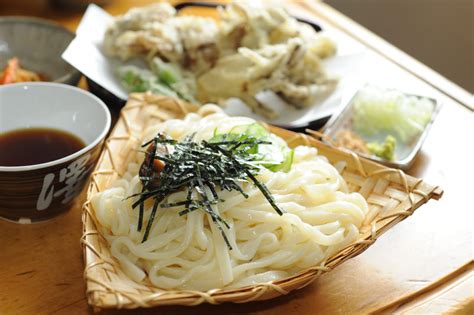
x,y
30,193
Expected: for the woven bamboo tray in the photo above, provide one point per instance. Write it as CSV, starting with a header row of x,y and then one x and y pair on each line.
x,y
392,196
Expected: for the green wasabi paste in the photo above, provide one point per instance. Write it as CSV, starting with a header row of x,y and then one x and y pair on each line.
x,y
385,150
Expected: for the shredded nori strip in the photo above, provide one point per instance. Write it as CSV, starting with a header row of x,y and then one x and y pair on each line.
x,y
198,168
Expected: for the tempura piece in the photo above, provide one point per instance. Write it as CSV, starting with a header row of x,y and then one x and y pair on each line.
x,y
255,24
254,47
155,30
291,70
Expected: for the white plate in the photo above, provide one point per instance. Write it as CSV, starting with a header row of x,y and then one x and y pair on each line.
x,y
85,54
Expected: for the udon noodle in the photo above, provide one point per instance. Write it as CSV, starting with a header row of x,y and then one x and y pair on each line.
x,y
188,252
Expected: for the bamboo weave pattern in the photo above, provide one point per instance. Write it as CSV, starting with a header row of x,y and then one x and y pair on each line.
x,y
391,194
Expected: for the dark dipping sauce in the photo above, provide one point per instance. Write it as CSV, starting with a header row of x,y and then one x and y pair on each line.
x,y
36,145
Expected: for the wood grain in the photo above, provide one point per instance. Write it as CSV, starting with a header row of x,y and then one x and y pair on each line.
x,y
444,294
41,265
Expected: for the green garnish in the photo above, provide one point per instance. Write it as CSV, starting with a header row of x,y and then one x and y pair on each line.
x,y
166,72
199,168
135,79
164,78
385,150
275,157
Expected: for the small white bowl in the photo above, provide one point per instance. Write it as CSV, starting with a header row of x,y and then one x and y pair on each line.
x,y
38,192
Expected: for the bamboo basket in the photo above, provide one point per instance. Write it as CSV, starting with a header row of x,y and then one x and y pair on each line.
x,y
392,196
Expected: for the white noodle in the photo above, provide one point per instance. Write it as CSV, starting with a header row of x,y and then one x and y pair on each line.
x,y
188,252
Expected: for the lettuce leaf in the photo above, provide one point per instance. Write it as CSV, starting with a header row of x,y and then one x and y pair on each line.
x,y
276,156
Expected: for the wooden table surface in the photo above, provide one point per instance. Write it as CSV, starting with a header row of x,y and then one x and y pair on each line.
x,y
422,266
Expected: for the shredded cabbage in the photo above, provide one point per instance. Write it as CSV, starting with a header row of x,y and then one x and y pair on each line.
x,y
377,110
